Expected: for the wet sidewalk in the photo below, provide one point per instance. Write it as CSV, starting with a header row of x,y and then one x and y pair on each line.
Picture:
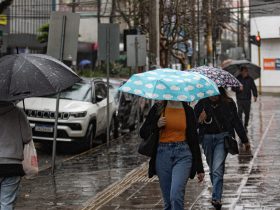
x,y
79,179
251,179
115,178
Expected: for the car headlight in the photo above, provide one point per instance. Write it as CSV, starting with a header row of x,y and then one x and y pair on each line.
x,y
78,114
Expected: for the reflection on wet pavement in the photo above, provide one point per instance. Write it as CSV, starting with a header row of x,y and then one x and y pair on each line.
x,y
242,179
81,178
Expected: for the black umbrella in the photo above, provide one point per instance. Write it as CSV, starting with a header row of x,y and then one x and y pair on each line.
x,y
234,66
30,75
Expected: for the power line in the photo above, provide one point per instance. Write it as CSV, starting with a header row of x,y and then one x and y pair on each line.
x,y
254,5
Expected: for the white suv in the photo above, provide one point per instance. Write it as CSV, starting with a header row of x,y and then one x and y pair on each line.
x,y
82,113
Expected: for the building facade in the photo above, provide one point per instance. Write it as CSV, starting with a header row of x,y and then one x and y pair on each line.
x,y
265,20
25,17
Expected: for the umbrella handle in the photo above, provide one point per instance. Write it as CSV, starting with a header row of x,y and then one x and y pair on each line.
x,y
23,105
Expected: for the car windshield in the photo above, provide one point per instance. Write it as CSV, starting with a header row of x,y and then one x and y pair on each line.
x,y
78,92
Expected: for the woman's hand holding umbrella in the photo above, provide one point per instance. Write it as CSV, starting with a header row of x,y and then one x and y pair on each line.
x,y
161,122
202,117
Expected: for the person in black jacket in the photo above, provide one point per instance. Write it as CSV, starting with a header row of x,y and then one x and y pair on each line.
x,y
218,118
244,95
176,156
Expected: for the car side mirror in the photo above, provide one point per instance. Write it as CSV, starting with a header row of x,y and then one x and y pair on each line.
x,y
99,98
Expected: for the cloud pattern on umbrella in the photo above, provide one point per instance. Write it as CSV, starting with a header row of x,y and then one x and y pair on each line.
x,y
220,77
169,84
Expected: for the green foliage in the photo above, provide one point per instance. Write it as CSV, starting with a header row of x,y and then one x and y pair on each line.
x,y
101,72
44,33
117,69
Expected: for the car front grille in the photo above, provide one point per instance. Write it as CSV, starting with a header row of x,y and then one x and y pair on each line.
x,y
47,114
60,134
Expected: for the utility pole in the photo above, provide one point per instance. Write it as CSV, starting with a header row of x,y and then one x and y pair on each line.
x,y
207,16
154,37
113,11
74,6
215,28
259,59
238,24
242,30
99,11
198,31
194,35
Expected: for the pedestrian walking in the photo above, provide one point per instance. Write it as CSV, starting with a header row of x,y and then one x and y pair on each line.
x,y
218,119
14,133
244,95
177,155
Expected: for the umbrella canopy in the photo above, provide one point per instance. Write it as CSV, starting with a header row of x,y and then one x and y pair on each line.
x,y
30,75
85,62
220,77
234,67
170,84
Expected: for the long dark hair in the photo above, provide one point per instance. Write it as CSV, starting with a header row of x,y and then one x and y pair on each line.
x,y
224,97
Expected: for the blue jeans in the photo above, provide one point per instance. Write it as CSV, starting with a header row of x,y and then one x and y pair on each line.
x,y
173,166
8,192
214,150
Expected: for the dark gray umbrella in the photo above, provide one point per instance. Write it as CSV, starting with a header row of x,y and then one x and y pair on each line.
x,y
234,67
30,75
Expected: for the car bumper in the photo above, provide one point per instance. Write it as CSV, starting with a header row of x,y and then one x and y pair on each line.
x,y
38,138
65,131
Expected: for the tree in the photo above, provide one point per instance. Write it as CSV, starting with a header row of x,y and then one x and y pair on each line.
x,y
4,5
43,35
178,25
134,13
175,22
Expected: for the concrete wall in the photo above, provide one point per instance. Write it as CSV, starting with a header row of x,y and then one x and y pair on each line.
x,y
269,28
27,16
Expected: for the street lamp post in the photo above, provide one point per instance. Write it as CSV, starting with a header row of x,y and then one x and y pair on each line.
x,y
198,32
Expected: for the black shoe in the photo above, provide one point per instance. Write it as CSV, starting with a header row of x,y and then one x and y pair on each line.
x,y
217,204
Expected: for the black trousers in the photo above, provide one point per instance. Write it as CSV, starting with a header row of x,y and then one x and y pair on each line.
x,y
244,106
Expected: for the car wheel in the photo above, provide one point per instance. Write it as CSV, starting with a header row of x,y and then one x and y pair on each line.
x,y
90,135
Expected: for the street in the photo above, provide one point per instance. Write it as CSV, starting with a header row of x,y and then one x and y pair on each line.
x,y
115,178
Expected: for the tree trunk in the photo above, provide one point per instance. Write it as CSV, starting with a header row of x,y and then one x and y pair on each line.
x,y
242,31
193,32
99,11
208,33
113,11
154,32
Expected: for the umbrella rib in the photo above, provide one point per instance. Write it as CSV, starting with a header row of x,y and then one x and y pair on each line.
x,y
9,89
44,76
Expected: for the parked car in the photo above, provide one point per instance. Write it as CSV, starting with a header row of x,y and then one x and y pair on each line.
x,y
127,106
82,114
